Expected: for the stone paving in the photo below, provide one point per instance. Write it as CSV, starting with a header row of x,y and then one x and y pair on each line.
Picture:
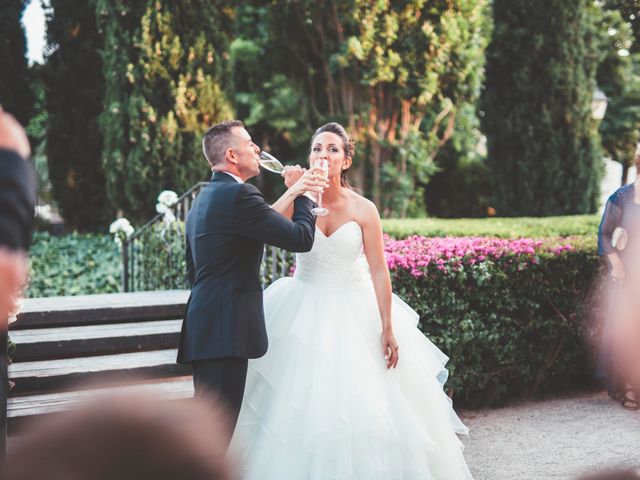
x,y
552,439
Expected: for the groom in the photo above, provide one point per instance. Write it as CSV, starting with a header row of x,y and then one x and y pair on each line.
x,y
226,228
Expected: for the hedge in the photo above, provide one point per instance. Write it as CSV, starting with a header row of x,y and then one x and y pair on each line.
x,y
73,264
513,316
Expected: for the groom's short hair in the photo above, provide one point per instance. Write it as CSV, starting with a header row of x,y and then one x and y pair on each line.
x,y
217,139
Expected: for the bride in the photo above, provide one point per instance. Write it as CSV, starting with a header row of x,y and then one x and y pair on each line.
x,y
349,388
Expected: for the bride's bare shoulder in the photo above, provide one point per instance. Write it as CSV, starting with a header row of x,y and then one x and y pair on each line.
x,y
365,210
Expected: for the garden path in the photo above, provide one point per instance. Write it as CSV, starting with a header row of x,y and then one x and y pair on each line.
x,y
554,439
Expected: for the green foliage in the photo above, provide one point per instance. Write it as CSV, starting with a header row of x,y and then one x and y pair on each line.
x,y
630,12
16,96
74,91
37,132
619,78
543,153
461,187
511,329
393,73
402,184
76,264
534,227
165,68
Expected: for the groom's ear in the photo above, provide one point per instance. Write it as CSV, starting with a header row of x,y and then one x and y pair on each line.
x,y
231,156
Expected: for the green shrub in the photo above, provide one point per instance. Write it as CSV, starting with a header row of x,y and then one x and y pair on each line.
x,y
513,323
73,265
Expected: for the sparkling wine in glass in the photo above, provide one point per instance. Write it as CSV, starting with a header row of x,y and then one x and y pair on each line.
x,y
320,211
270,163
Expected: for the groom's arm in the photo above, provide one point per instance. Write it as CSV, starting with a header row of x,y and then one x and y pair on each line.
x,y
191,272
255,219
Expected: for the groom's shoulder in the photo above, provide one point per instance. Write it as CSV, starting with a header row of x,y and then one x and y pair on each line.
x,y
248,190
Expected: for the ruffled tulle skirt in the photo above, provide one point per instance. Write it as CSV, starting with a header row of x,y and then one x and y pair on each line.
x,y
322,405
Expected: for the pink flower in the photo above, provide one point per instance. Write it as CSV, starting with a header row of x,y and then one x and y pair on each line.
x,y
416,254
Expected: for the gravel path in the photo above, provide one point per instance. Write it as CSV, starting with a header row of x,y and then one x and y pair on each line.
x,y
552,439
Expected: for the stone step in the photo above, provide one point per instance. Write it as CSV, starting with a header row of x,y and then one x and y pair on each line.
x,y
61,342
100,309
29,408
51,375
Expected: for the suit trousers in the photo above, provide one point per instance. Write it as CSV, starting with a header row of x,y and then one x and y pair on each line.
x,y
222,378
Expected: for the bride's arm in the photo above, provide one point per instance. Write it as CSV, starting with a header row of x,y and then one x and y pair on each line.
x,y
298,182
374,252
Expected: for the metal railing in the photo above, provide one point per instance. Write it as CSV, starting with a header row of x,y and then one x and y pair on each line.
x,y
153,257
138,249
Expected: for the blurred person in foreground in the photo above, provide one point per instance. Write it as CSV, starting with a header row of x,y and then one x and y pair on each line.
x,y
17,201
126,438
619,243
613,475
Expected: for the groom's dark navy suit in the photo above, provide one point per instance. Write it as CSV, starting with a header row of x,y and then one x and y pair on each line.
x,y
227,227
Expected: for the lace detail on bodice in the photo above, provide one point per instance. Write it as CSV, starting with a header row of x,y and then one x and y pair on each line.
x,y
335,260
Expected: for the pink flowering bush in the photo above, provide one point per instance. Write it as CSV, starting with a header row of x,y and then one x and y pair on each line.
x,y
450,254
509,313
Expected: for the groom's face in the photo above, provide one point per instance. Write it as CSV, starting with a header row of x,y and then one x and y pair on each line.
x,y
246,153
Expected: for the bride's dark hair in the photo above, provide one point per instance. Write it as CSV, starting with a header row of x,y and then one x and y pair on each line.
x,y
347,145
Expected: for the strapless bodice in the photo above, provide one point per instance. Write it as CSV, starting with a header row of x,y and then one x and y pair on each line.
x,y
335,260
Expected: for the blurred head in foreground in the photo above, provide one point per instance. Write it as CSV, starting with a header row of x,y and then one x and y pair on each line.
x,y
126,438
613,475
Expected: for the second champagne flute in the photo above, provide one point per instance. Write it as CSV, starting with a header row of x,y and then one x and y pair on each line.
x,y
320,211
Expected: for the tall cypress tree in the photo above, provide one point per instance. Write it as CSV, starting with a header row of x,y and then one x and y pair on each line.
x,y
166,71
16,95
74,89
543,152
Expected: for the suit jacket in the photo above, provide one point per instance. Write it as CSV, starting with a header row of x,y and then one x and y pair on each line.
x,y
227,227
17,200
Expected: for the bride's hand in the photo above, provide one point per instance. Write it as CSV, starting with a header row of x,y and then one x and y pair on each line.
x,y
292,174
312,181
390,349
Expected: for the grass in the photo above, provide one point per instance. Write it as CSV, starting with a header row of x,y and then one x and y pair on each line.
x,y
530,227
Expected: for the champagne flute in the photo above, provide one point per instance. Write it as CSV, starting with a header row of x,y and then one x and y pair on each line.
x,y
321,211
270,163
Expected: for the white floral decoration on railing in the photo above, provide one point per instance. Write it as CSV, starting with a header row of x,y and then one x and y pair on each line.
x,y
166,200
121,230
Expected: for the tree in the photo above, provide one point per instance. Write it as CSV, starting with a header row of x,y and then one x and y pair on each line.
x,y
166,71
630,13
461,188
74,91
395,73
543,153
16,95
619,77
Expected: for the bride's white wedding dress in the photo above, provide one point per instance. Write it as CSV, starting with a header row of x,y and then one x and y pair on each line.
x,y
321,404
